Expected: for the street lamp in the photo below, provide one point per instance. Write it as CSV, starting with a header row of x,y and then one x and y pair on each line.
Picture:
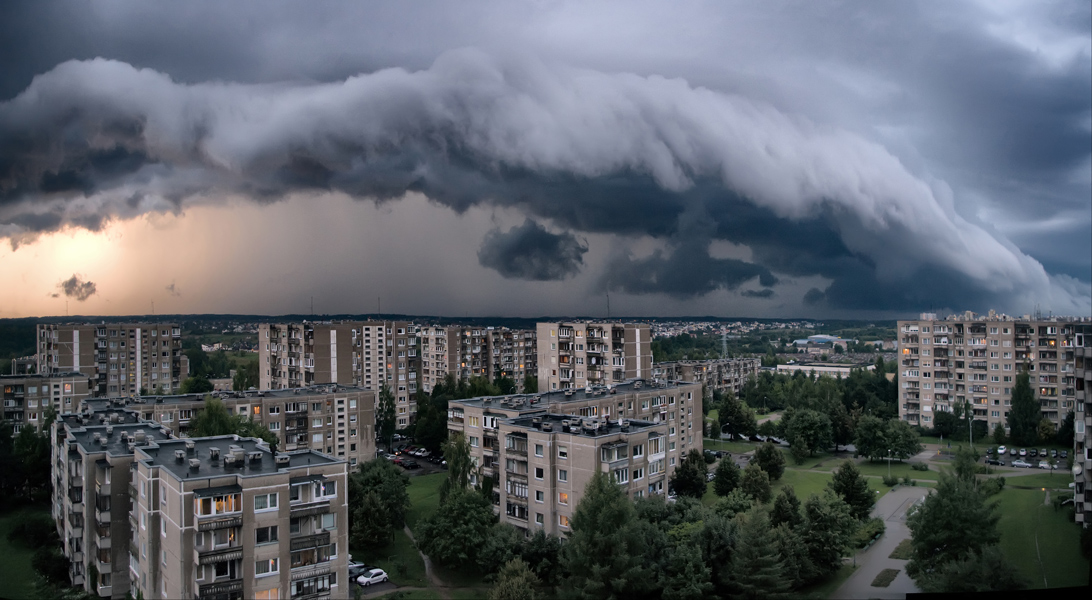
x,y
889,463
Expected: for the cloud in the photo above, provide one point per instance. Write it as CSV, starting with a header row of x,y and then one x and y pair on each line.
x,y
592,151
532,253
76,287
172,290
767,293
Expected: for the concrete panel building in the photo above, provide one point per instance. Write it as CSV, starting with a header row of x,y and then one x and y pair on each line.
x,y
120,359
577,354
974,359
1082,423
492,353
541,449
724,374
26,397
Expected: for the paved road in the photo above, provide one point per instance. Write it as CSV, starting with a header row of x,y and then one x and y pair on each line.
x,y
892,509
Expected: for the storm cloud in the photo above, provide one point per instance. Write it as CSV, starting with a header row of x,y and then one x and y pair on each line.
x,y
589,150
76,287
532,253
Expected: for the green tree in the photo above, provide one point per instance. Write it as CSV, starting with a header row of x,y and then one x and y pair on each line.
x,y
797,567
455,533
505,385
903,439
734,417
786,509
530,384
214,419
515,581
986,570
371,525
459,466
756,483
726,477
1046,429
390,486
502,543
543,553
686,575
999,434
828,527
1065,431
851,487
951,523
965,463
771,459
246,377
197,384
384,415
810,430
1025,414
735,502
757,567
602,557
690,474
871,440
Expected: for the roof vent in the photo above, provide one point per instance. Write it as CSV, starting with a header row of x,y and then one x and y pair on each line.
x,y
547,426
283,459
537,422
234,448
214,454
103,440
254,457
96,437
140,436
195,464
179,455
229,461
131,447
189,446
109,430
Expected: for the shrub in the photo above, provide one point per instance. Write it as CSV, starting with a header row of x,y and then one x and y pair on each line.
x,y
890,481
868,531
919,466
907,481
710,458
992,486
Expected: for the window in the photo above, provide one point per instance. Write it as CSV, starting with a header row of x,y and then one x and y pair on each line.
x,y
538,472
265,501
562,498
216,505
473,440
562,475
562,452
265,535
621,476
539,520
275,426
325,488
638,474
638,451
540,496
266,567
329,521
538,449
562,520
475,421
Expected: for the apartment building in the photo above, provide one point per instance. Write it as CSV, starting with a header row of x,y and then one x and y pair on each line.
x,y
969,358
432,341
541,449
575,355
336,420
227,518
367,354
492,353
1082,423
724,374
91,458
120,359
26,397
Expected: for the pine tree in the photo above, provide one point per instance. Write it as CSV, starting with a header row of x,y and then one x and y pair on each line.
x,y
786,509
689,478
726,478
853,489
771,459
756,483
1025,414
952,522
384,415
757,567
828,527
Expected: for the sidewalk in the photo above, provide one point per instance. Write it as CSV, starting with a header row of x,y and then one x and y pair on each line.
x,y
892,509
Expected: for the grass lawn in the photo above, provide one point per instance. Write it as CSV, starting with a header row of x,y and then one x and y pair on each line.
x,y
399,552
15,569
733,447
900,470
804,483
885,577
424,495
1060,479
1040,541
824,589
903,551
821,460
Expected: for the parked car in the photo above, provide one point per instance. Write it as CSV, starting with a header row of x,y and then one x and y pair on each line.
x,y
372,576
1033,453
1042,452
995,461
1021,464
1023,452
1002,450
356,569
710,475
1065,454
1053,453
410,464
722,454
1043,464
1012,452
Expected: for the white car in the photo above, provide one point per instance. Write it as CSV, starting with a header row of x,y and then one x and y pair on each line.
x,y
1044,464
373,576
1021,464
1002,450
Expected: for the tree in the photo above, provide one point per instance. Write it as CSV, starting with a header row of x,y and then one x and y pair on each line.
x,y
382,490
810,430
246,377
215,419
726,477
371,523
771,459
197,384
828,527
515,581
543,553
530,384
951,523
602,557
459,466
797,567
902,438
1025,414
431,431
686,576
690,474
1065,431
999,434
455,533
756,566
756,483
871,440
1046,429
733,416
979,571
735,502
965,463
502,543
384,415
851,487
786,508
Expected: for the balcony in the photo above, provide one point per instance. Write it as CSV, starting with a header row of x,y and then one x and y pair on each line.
x,y
221,523
307,509
218,555
310,541
226,586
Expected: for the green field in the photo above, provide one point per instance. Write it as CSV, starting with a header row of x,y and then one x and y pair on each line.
x,y
399,552
15,569
424,495
879,469
1042,542
733,447
1059,480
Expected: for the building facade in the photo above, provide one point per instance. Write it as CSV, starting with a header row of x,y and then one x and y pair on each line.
x,y
120,359
973,359
26,397
541,449
1082,423
575,355
724,374
492,353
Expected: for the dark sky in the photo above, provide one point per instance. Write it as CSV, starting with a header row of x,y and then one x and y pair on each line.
x,y
773,159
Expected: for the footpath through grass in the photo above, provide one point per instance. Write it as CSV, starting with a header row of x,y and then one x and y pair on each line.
x,y
1042,542
15,571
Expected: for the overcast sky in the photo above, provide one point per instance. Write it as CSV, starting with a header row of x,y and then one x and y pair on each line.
x,y
850,159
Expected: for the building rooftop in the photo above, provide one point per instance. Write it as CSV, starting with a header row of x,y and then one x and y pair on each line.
x,y
583,426
191,398
100,413
40,375
252,457
115,439
528,403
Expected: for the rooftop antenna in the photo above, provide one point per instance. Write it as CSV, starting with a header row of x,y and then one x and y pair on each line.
x,y
608,306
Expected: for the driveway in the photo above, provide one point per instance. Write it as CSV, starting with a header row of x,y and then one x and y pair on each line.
x,y
892,509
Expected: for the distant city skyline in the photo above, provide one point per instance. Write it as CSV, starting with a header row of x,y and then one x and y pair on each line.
x,y
816,161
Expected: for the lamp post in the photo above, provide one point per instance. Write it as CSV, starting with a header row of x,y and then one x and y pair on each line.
x,y
889,463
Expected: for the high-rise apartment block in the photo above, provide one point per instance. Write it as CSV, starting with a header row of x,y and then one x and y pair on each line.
x,y
541,449
26,397
433,343
723,374
576,355
492,353
120,359
1082,423
973,359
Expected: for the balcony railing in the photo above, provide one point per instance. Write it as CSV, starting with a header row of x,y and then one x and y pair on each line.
x,y
307,509
310,541
219,555
221,587
221,523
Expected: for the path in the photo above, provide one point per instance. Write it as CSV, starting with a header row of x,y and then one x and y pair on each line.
x,y
891,507
441,587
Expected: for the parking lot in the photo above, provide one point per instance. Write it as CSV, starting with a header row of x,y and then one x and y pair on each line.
x,y
413,459
1026,458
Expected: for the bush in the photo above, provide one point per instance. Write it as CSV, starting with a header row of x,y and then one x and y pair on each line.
x,y
710,458
868,531
34,532
907,481
890,481
992,486
919,466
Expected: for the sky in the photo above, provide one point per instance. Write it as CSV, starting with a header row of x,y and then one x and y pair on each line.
x,y
782,159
